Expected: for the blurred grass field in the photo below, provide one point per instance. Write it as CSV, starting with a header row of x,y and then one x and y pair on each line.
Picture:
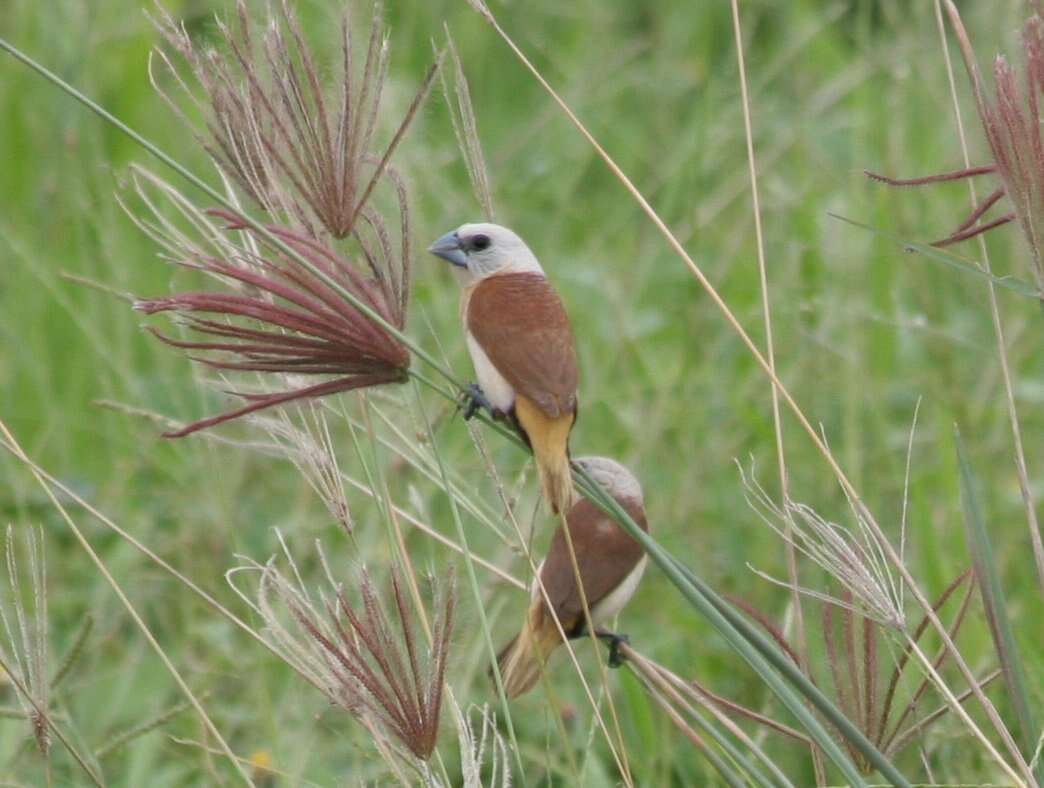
x,y
862,331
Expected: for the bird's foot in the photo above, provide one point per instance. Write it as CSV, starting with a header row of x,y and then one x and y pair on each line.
x,y
473,399
615,640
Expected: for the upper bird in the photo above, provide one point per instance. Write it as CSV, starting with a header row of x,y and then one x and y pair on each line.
x,y
521,344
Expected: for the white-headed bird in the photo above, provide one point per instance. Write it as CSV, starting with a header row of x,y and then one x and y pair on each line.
x,y
521,345
611,563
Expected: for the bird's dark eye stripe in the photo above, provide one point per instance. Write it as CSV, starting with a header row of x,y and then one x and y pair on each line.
x,y
480,242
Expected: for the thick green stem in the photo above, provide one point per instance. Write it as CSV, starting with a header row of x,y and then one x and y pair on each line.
x,y
767,660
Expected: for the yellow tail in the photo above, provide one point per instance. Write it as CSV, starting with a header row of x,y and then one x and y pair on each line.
x,y
549,438
522,660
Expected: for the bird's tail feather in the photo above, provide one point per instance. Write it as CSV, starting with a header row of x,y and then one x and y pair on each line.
x,y
549,438
522,660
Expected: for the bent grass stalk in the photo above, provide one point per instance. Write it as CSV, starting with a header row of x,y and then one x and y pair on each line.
x,y
993,598
763,656
727,774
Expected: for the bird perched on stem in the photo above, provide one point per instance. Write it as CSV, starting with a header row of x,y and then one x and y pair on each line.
x,y
610,563
521,345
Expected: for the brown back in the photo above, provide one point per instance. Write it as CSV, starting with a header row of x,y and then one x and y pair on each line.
x,y
605,555
519,321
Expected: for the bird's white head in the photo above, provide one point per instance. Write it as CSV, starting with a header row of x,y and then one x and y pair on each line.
x,y
481,250
614,477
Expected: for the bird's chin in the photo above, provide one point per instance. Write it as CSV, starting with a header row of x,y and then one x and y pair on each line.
x,y
464,277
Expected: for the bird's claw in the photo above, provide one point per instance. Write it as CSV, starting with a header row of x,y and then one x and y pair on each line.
x,y
615,640
472,399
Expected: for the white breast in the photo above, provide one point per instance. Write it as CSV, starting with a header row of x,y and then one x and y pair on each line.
x,y
499,392
613,602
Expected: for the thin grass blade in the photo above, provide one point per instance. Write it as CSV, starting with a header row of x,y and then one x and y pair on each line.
x,y
1012,283
995,605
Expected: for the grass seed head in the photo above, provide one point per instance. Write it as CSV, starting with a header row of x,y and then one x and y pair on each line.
x,y
853,557
271,314
883,701
302,150
25,632
363,658
1012,124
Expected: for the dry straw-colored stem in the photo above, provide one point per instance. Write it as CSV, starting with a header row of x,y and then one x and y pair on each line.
x,y
784,487
766,310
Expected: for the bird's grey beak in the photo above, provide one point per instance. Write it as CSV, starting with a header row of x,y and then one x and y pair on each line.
x,y
448,248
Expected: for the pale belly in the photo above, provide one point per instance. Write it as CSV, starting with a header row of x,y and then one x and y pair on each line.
x,y
613,602
499,392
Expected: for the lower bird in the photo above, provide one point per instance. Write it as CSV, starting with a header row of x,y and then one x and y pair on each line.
x,y
611,563
521,344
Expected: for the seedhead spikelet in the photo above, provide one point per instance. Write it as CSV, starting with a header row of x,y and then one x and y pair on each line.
x,y
308,444
1011,122
25,631
477,749
365,660
273,314
888,710
853,557
302,150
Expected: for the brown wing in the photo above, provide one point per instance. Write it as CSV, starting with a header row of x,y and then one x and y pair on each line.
x,y
519,321
605,555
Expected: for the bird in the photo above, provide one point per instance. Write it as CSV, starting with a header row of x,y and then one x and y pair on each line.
x,y
610,563
521,345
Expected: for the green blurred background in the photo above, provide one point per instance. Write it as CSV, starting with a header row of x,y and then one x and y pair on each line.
x,y
863,330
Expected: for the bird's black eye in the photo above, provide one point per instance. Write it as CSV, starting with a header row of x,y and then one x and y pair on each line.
x,y
480,243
